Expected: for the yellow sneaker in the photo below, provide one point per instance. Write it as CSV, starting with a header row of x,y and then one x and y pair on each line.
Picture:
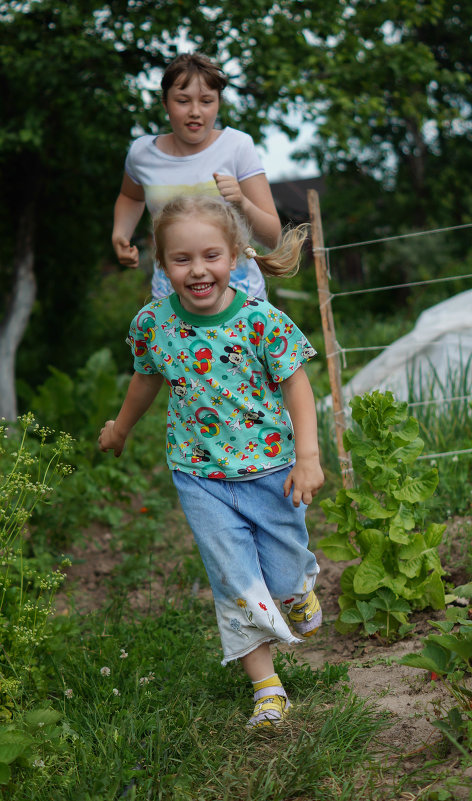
x,y
271,704
305,617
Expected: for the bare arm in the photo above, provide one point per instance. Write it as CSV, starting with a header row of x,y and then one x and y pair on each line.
x,y
254,200
306,477
129,208
142,391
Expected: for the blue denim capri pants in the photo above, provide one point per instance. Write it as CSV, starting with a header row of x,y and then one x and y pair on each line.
x,y
254,545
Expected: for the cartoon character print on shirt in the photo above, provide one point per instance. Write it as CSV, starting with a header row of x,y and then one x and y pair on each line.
x,y
179,387
272,441
250,302
203,357
233,356
209,421
199,454
257,327
308,352
209,473
146,322
249,469
276,343
186,330
257,385
252,418
171,441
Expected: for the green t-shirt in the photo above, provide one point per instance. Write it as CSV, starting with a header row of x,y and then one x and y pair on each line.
x,y
226,416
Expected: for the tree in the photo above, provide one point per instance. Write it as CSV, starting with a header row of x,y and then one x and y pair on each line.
x,y
69,100
387,86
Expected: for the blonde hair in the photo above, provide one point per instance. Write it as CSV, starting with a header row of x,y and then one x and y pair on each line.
x,y
282,262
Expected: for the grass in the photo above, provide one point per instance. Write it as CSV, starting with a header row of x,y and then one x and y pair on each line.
x,y
168,722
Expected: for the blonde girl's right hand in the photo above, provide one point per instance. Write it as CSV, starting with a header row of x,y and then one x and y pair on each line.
x,y
127,254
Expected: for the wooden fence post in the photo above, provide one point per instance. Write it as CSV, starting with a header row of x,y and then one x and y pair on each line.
x,y
332,354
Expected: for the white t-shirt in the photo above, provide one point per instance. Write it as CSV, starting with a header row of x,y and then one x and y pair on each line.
x,y
163,177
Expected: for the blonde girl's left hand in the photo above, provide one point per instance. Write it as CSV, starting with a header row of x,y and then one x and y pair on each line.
x,y
110,440
305,478
229,189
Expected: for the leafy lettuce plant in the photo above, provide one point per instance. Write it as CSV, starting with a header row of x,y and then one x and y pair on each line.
x,y
381,522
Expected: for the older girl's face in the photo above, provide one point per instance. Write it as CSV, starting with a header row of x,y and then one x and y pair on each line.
x,y
192,113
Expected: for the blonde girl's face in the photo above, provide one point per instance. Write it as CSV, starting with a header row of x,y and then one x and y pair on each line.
x,y
192,113
198,261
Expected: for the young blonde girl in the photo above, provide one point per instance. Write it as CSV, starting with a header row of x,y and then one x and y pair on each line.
x,y
241,435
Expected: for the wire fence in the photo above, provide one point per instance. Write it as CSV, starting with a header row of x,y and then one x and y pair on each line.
x,y
340,352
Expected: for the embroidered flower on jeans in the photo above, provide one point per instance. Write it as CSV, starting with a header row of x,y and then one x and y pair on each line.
x,y
263,606
242,603
235,624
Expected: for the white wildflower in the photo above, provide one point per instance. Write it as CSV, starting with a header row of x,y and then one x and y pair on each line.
x,y
105,671
115,691
38,763
68,693
123,654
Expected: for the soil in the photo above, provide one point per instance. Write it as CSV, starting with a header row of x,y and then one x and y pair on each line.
x,y
409,695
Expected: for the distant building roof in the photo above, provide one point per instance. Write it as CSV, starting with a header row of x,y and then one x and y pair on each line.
x,y
291,199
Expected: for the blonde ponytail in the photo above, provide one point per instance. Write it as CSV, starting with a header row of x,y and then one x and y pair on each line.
x,y
284,260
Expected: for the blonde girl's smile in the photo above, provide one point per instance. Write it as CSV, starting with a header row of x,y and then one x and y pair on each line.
x,y
198,261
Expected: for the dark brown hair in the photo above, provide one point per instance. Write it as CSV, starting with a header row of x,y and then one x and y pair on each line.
x,y
189,65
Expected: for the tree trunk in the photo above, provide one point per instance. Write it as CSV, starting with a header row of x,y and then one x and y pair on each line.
x,y
17,310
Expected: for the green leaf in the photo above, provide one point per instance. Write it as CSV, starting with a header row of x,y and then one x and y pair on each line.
x,y
403,522
347,579
395,583
423,662
408,432
415,547
42,716
358,446
415,490
13,743
338,548
464,590
340,512
454,644
432,657
386,600
369,505
408,453
369,575
5,773
433,534
352,616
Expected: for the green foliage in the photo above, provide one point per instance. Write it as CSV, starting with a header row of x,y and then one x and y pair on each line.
x,y
83,403
28,477
448,656
381,522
